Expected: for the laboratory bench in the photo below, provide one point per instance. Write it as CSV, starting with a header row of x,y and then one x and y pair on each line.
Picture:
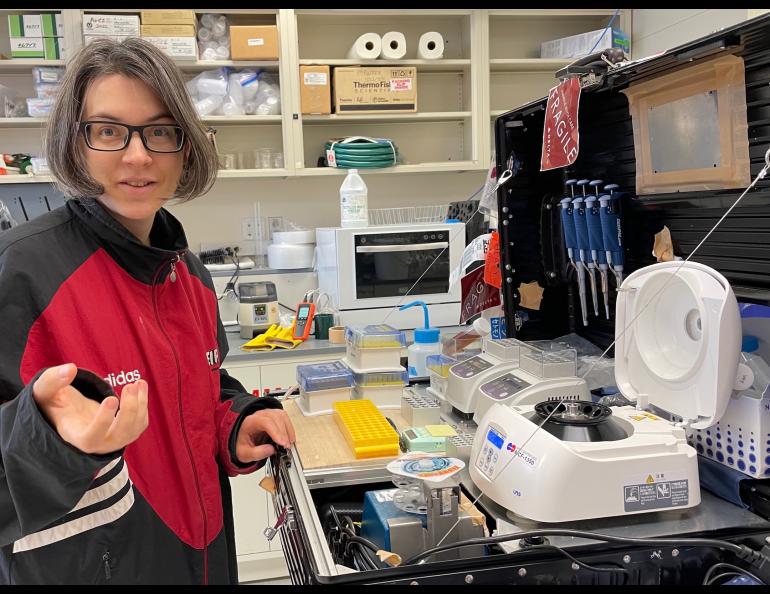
x,y
271,372
306,482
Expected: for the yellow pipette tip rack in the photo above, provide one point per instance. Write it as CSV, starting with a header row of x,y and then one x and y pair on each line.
x,y
365,429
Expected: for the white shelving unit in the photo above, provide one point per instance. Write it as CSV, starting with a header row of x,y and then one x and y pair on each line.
x,y
491,64
443,134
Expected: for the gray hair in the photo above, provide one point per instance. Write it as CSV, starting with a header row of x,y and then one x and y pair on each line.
x,y
140,60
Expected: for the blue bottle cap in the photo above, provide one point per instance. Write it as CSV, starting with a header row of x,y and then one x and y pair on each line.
x,y
426,335
749,344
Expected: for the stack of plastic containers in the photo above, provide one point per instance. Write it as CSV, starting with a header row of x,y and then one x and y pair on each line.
x,y
453,350
321,385
374,357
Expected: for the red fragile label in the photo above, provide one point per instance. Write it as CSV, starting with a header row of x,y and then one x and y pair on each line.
x,y
476,294
560,131
492,275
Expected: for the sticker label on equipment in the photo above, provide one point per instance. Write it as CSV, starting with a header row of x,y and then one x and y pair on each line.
x,y
400,84
257,41
655,493
315,78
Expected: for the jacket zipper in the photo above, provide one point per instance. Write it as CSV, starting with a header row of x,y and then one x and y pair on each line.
x,y
107,570
172,277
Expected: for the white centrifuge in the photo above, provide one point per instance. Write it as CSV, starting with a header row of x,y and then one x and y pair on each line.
x,y
678,336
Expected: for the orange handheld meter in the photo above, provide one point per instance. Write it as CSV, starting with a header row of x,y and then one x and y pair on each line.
x,y
303,321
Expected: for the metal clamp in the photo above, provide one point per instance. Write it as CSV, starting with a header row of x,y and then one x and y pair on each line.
x,y
271,532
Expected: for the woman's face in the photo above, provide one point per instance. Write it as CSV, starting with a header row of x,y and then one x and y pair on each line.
x,y
136,181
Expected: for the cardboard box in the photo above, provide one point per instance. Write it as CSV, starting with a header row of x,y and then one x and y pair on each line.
x,y
49,48
179,48
168,30
578,46
315,88
27,47
375,89
89,38
254,42
168,17
52,24
24,25
111,24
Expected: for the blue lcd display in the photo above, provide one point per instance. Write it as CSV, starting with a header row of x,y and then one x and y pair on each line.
x,y
496,439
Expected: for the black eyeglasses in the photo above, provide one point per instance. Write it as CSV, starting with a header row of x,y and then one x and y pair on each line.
x,y
112,136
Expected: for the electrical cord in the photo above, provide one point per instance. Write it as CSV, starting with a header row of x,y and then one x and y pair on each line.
x,y
709,578
578,561
741,551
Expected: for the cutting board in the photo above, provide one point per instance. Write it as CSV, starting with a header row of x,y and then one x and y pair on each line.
x,y
320,444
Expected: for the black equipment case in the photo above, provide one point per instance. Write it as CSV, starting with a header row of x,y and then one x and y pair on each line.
x,y
532,250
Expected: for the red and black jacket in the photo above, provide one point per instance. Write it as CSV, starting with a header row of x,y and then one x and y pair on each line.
x,y
76,286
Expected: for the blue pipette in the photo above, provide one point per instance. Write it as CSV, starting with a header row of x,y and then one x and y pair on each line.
x,y
570,241
584,248
611,229
596,241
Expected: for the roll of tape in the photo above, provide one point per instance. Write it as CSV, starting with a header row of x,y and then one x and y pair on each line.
x,y
337,334
431,46
294,237
366,47
393,45
284,256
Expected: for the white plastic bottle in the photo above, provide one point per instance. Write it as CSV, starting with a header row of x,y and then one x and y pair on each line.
x,y
353,201
759,367
426,342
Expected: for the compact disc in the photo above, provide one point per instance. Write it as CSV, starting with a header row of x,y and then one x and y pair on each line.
x,y
425,467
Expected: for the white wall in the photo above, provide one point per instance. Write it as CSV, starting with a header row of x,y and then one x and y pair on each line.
x,y
658,29
311,201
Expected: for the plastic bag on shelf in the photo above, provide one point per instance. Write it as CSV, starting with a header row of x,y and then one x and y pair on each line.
x,y
11,104
213,37
6,220
267,100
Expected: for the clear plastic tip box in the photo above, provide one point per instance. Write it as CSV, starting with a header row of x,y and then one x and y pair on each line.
x,y
374,347
547,360
321,385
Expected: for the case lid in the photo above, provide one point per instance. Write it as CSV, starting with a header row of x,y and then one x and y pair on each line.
x,y
678,338
375,336
324,376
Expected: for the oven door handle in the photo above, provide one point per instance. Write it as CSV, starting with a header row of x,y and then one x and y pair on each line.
x,y
416,247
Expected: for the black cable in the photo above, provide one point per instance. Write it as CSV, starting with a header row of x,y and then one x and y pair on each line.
x,y
707,578
722,576
741,551
573,559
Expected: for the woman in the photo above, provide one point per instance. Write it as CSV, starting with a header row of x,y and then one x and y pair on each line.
x,y
120,479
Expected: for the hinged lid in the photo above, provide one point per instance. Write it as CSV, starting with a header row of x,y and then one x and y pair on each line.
x,y
678,338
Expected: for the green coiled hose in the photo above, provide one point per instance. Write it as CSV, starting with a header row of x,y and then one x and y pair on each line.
x,y
361,152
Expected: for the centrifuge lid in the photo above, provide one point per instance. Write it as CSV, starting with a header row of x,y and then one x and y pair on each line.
x,y
680,352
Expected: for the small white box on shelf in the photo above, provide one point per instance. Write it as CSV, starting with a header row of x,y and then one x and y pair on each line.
x,y
111,24
25,25
181,48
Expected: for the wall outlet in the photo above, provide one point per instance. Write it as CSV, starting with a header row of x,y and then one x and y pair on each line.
x,y
245,248
247,228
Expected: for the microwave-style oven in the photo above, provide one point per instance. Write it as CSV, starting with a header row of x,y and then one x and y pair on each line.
x,y
367,271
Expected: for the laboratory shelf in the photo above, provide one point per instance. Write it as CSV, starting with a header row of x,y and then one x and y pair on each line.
x,y
20,64
527,64
22,122
434,116
447,166
26,179
449,65
251,173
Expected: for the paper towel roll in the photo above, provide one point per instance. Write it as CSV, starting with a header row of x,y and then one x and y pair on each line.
x,y
366,47
393,45
294,237
284,256
431,46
